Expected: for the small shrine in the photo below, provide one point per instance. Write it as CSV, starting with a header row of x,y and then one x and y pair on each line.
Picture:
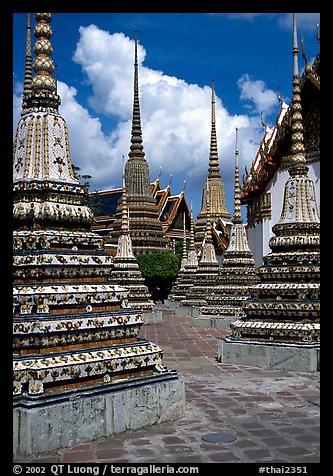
x,y
281,327
81,371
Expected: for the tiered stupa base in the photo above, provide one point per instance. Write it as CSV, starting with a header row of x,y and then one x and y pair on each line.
x,y
221,309
299,357
55,420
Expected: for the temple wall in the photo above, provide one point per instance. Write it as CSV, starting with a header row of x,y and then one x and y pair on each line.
x,y
260,233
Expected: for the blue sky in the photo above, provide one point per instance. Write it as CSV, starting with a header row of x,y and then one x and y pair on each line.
x,y
248,54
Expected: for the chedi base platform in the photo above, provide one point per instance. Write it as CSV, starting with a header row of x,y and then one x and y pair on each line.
x,y
270,355
59,420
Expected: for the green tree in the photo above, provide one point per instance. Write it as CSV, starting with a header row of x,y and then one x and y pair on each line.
x,y
160,270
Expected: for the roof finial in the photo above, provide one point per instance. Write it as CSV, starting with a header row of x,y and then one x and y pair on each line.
x,y
307,64
28,67
279,96
237,208
267,129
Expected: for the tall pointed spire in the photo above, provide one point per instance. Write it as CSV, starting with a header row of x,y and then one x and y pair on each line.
x,y
213,191
145,228
28,67
136,149
237,202
214,168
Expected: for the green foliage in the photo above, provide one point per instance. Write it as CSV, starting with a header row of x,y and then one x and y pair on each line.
x,y
159,265
179,247
160,271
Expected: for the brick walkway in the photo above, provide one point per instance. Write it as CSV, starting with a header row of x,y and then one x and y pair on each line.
x,y
274,415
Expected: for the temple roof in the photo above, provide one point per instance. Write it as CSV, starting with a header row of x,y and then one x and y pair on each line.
x,y
168,206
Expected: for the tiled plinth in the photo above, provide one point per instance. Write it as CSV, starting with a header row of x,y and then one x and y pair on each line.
x,y
50,422
152,316
215,322
267,355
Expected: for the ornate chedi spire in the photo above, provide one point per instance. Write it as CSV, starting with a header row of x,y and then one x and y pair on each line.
x,y
285,307
28,67
238,270
45,189
145,227
186,275
213,188
74,335
126,270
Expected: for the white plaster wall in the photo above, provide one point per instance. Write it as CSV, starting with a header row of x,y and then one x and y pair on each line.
x,y
260,234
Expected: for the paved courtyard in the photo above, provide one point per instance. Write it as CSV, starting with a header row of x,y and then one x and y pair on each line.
x,y
273,415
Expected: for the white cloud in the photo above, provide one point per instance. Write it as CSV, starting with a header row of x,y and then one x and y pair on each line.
x,y
175,116
258,98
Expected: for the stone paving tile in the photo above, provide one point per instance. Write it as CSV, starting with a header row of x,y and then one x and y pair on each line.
x,y
274,415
